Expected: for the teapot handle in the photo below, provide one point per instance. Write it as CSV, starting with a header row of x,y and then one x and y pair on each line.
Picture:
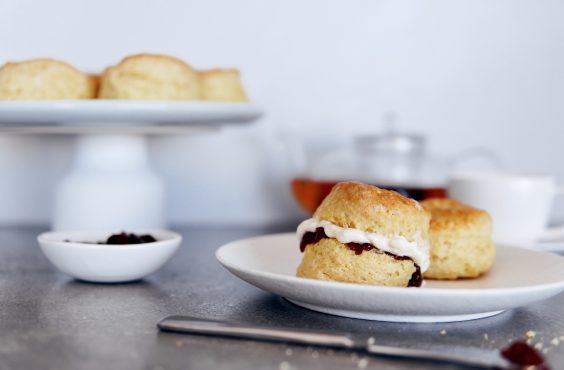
x,y
477,152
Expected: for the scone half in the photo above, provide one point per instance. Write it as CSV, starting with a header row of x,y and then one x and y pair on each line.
x,y
44,79
363,234
460,240
222,85
150,77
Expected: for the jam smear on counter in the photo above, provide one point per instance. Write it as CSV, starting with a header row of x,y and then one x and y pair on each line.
x,y
312,237
522,354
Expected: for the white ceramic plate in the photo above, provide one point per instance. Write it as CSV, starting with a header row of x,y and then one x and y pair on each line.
x,y
519,277
68,114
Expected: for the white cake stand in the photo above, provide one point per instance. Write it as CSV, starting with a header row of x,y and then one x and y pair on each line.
x,y
110,185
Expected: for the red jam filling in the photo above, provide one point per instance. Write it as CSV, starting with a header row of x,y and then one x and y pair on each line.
x,y
312,237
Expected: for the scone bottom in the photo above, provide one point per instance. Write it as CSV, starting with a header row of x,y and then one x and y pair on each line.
x,y
358,248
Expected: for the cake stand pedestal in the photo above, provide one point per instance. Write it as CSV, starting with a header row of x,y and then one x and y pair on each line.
x,y
110,184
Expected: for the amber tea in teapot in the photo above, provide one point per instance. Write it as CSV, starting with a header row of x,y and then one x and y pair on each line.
x,y
309,193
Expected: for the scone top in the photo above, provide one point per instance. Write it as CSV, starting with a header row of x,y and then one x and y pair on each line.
x,y
373,210
452,216
153,63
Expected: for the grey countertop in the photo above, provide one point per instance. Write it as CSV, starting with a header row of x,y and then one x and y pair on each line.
x,y
50,321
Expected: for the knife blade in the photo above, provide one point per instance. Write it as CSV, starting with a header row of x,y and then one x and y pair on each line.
x,y
470,356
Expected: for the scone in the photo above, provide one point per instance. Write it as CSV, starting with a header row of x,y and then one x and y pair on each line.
x,y
363,234
222,85
150,77
460,240
42,79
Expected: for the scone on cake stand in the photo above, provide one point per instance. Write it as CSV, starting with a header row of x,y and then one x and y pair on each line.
x,y
110,184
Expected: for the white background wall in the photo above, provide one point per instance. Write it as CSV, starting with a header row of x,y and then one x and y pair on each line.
x,y
465,73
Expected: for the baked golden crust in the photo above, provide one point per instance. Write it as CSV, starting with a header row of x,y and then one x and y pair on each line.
x,y
222,85
374,210
44,79
150,77
460,240
451,215
328,259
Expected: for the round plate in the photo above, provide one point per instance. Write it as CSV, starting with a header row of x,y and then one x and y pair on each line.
x,y
61,116
518,277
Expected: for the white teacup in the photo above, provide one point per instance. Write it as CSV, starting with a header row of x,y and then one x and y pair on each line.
x,y
519,205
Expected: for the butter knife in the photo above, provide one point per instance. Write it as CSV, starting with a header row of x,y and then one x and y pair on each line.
x,y
469,356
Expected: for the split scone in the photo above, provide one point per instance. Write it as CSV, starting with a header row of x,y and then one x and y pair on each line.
x,y
42,79
222,85
460,240
150,77
363,234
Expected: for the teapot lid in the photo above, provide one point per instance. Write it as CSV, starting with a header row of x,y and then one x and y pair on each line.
x,y
391,142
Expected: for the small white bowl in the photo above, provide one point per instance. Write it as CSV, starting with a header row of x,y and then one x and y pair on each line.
x,y
102,263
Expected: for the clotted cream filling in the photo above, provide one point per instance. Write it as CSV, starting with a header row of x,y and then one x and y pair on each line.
x,y
398,245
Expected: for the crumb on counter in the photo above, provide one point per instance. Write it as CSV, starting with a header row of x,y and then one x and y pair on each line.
x,y
362,363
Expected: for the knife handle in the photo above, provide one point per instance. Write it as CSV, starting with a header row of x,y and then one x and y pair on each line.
x,y
191,325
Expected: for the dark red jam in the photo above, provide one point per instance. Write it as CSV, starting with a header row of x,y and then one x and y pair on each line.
x,y
312,237
129,238
123,238
522,354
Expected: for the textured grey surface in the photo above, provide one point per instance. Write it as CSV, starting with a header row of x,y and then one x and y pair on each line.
x,y
49,321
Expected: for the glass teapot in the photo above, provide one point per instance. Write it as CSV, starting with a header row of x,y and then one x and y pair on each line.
x,y
395,161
